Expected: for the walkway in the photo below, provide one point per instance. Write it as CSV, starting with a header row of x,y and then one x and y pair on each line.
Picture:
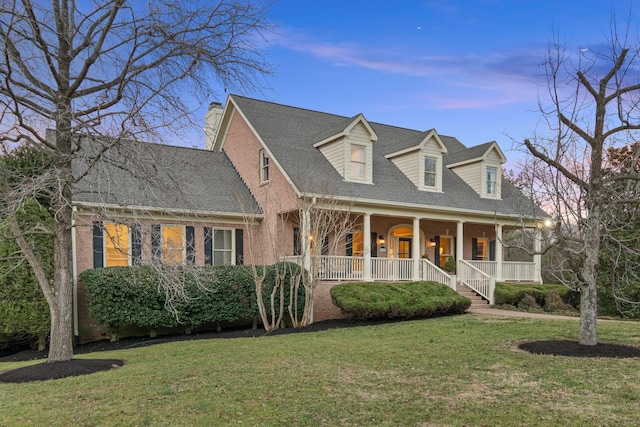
x,y
509,313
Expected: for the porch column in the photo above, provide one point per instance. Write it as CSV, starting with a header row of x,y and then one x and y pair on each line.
x,y
306,240
366,268
460,241
415,249
537,257
499,255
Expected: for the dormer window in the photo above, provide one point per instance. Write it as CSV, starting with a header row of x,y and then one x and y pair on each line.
x,y
430,172
492,177
358,162
264,166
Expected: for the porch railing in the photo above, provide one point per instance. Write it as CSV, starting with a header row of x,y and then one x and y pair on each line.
x,y
352,268
520,271
487,267
482,283
431,273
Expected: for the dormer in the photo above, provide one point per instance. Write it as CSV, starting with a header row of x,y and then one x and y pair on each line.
x,y
349,149
481,168
419,157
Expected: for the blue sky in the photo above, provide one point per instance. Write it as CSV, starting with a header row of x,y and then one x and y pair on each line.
x,y
469,69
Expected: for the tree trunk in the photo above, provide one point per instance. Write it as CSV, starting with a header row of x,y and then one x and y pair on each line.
x,y
60,347
588,315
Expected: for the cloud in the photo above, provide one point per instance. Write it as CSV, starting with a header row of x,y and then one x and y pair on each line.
x,y
459,80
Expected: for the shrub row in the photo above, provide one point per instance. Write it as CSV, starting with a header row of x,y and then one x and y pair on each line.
x,y
378,301
133,296
550,297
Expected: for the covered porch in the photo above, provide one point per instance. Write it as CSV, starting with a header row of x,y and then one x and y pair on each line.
x,y
391,248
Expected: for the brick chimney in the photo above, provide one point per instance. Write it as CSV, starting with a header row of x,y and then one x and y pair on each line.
x,y
212,123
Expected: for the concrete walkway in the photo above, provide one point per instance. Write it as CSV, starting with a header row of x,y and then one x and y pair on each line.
x,y
509,313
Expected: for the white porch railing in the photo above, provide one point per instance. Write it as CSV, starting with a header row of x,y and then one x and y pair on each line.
x,y
520,271
476,279
391,268
431,273
351,268
511,270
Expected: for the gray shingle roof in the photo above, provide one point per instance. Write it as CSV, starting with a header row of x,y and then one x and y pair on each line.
x,y
468,154
290,132
161,177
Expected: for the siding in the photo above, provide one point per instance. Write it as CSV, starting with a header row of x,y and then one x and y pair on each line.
x,y
409,164
334,152
472,174
359,135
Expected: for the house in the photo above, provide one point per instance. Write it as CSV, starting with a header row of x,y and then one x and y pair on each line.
x,y
417,198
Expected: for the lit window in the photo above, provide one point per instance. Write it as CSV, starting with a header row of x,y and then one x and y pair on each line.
x,y
222,247
492,175
116,245
172,244
482,249
264,166
358,161
430,168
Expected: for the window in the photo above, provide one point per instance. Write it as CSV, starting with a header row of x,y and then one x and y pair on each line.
x,y
172,244
264,166
492,176
430,170
222,247
116,245
168,243
445,251
482,249
358,162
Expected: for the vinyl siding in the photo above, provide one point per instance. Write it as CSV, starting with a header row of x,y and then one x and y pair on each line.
x,y
409,165
472,174
334,152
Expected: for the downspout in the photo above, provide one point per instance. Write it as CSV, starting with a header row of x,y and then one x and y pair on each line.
x,y
74,264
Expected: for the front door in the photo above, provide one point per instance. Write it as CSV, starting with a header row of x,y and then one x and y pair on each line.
x,y
404,247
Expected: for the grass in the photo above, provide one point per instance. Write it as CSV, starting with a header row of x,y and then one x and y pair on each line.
x,y
461,370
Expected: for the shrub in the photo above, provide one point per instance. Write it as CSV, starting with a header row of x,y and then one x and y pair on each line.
x,y
370,301
512,293
553,303
528,303
24,313
131,296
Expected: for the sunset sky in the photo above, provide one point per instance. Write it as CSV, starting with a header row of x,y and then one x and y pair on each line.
x,y
469,69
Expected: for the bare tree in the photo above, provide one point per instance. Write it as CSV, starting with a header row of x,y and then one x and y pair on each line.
x,y
111,69
594,106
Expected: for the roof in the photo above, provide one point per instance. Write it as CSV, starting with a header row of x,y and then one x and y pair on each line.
x,y
160,177
291,132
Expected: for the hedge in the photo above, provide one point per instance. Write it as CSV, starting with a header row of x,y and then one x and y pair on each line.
x,y
131,296
513,293
378,301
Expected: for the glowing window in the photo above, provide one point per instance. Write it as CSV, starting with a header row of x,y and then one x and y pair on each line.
x,y
116,245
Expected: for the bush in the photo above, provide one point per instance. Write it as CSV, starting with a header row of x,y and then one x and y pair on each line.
x,y
24,313
119,296
512,293
528,303
377,301
553,303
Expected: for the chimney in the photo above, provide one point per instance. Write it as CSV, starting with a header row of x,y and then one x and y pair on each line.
x,y
212,124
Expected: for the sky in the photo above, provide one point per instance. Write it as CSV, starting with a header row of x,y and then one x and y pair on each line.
x,y
471,69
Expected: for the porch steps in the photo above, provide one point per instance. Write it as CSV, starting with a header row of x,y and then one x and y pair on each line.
x,y
476,300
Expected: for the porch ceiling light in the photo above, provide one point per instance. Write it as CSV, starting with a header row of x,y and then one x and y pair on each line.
x,y
381,240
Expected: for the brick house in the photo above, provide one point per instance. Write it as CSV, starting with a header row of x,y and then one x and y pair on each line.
x,y
417,198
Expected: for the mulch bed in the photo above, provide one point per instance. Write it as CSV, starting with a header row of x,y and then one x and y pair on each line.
x,y
75,367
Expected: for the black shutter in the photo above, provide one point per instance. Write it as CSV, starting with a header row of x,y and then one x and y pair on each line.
x,y
455,248
156,243
98,245
374,244
296,241
436,253
239,247
492,250
136,245
349,240
208,246
191,244
474,249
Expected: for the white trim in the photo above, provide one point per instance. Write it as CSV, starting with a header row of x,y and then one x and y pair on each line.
x,y
74,268
347,130
233,244
149,212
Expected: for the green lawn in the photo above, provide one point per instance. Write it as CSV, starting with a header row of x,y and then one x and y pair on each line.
x,y
461,370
